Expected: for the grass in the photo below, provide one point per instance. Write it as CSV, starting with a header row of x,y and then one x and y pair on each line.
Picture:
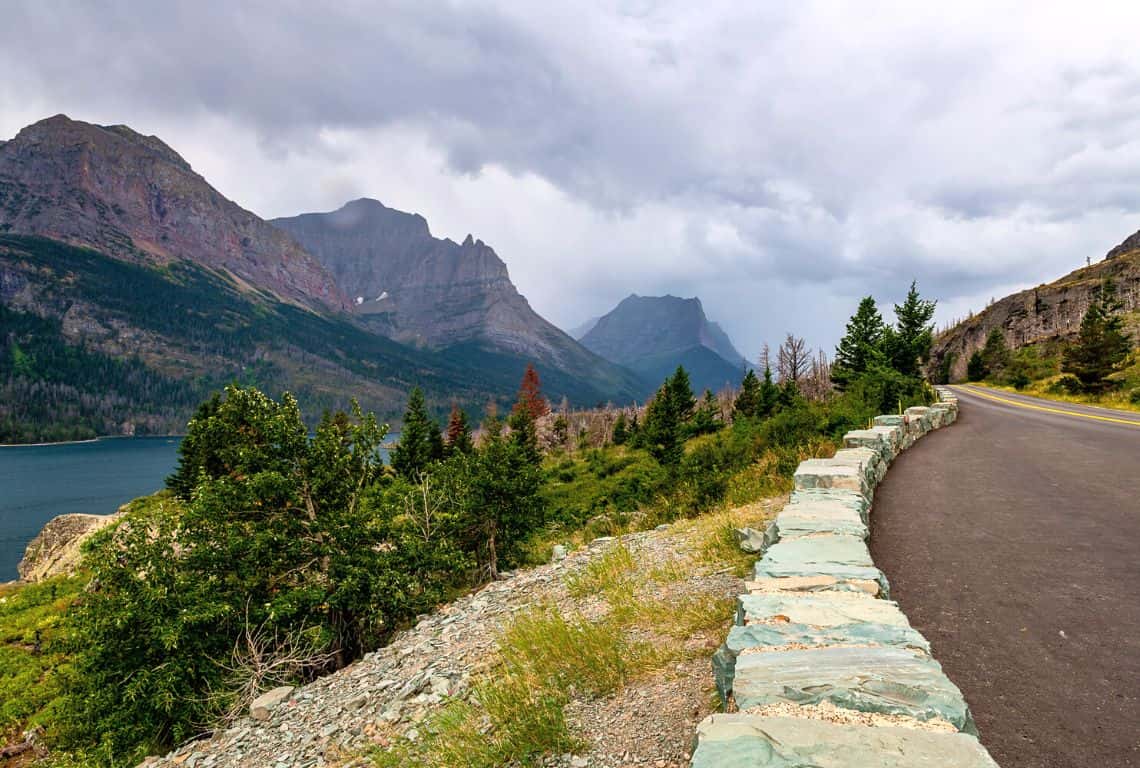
x,y
546,657
31,666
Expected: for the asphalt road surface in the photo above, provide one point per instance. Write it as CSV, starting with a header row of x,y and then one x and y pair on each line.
x,y
1012,541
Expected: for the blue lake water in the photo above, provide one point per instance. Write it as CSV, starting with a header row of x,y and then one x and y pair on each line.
x,y
38,482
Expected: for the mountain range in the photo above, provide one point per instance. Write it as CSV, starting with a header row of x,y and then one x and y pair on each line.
x,y
652,335
130,287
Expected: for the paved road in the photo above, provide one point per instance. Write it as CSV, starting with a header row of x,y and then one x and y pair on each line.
x,y
1012,541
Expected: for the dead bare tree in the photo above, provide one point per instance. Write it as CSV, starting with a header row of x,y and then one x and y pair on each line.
x,y
793,359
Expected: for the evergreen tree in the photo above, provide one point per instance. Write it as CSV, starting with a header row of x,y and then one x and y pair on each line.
x,y
529,407
976,366
747,403
1101,344
561,430
995,354
530,397
769,394
419,443
621,429
862,345
706,418
198,452
458,437
662,430
679,389
910,341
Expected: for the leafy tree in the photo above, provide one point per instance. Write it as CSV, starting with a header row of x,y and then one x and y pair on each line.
x,y
1101,343
420,440
621,429
458,438
862,345
909,343
976,366
560,430
747,402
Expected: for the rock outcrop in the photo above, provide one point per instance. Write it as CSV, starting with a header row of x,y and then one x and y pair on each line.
x,y
56,550
133,197
1045,313
652,335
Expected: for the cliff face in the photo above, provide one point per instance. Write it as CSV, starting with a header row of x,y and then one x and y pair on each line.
x,y
57,549
1047,312
652,335
422,290
132,197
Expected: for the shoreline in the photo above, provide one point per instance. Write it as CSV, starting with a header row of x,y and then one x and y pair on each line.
x,y
90,440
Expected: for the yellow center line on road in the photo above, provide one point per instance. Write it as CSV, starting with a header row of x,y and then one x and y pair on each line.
x,y
1047,409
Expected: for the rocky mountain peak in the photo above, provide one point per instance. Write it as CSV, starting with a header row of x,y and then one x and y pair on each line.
x,y
132,197
1130,244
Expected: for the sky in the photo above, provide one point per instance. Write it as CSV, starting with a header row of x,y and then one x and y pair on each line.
x,y
778,160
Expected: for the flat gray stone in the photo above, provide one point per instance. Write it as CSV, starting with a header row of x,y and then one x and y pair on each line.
x,y
263,706
763,637
846,559
829,609
853,499
807,518
747,741
829,474
879,680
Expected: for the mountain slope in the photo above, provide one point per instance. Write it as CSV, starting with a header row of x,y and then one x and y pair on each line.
x,y
1048,312
652,335
444,295
132,197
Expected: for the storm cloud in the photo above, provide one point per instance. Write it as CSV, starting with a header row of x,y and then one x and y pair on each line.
x,y
780,160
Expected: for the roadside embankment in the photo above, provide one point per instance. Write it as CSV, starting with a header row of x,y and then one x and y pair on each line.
x,y
821,667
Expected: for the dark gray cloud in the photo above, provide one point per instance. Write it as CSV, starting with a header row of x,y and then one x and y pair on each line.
x,y
764,158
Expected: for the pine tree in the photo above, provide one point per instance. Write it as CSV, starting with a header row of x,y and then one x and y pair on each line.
x,y
662,431
529,407
747,403
530,395
995,354
706,417
621,429
861,347
1101,344
419,444
910,341
679,389
976,366
458,432
769,394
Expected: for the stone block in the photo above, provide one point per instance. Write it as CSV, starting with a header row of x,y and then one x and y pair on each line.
x,y
880,680
824,609
749,741
263,706
828,474
844,558
808,518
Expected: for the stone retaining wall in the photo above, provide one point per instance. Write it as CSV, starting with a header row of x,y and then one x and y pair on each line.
x,y
822,669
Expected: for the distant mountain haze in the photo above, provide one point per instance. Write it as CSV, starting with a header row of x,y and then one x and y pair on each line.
x,y
652,335
436,293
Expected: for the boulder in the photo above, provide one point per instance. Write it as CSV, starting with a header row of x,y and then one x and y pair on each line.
x,y
57,549
263,706
754,541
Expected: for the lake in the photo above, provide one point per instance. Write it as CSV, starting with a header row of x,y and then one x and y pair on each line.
x,y
38,482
